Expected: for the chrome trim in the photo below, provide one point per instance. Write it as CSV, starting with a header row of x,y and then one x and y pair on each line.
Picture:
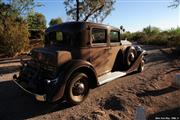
x,y
145,52
37,96
40,97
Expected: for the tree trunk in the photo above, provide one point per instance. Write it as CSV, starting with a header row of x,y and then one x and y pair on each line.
x,y
77,10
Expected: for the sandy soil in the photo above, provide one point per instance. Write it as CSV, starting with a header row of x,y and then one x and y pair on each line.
x,y
150,90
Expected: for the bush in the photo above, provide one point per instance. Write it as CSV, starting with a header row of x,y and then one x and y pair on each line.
x,y
174,41
174,37
158,39
153,36
139,37
13,33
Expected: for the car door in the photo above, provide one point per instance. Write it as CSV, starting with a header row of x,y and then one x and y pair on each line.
x,y
99,51
116,49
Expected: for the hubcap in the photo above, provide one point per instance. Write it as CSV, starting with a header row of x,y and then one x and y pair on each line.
x,y
131,57
78,88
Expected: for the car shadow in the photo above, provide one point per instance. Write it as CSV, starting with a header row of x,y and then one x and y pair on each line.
x,y
16,104
157,92
171,114
9,69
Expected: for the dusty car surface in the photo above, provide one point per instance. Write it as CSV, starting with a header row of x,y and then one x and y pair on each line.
x,y
77,57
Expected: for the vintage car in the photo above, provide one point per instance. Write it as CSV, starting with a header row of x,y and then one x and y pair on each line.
x,y
76,57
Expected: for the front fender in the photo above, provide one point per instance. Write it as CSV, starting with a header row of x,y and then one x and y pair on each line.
x,y
64,74
137,62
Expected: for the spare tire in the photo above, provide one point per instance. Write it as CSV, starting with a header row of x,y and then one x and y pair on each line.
x,y
130,56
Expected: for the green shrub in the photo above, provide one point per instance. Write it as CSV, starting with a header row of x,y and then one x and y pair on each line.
x,y
13,33
153,36
139,37
174,40
174,37
158,39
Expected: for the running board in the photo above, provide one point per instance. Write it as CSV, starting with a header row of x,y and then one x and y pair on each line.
x,y
110,76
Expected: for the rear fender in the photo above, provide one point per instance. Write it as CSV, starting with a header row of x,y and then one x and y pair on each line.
x,y
66,72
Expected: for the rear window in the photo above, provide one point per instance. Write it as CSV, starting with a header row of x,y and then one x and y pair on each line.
x,y
55,36
63,38
59,36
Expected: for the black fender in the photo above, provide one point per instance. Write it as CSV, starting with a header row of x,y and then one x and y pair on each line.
x,y
137,62
65,73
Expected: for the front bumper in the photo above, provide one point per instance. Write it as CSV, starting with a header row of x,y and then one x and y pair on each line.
x,y
37,96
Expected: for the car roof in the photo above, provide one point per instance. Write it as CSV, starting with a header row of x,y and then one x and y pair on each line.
x,y
76,26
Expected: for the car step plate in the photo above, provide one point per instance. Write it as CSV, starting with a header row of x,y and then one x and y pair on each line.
x,y
110,76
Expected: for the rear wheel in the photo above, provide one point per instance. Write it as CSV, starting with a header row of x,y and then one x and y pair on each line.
x,y
77,89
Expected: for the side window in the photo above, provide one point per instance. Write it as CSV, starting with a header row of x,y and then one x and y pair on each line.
x,y
52,36
114,36
98,35
56,36
59,36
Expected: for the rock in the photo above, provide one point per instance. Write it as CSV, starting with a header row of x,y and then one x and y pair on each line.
x,y
176,82
98,115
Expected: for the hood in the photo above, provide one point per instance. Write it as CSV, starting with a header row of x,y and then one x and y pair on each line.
x,y
126,42
45,55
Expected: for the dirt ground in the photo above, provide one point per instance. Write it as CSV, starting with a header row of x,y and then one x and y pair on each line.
x,y
150,90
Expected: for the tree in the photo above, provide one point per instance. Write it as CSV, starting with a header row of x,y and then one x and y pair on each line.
x,y
13,31
151,30
175,3
126,35
92,10
23,7
36,25
55,21
36,21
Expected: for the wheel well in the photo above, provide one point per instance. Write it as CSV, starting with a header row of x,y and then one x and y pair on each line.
x,y
91,75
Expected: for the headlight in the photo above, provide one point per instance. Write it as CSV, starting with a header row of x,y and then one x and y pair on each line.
x,y
40,56
138,48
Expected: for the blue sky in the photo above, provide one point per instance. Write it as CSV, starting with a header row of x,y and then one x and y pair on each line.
x,y
134,15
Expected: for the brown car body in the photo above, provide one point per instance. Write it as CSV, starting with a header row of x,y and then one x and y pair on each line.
x,y
93,49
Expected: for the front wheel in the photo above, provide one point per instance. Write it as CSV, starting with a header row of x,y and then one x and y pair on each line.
x,y
77,89
141,66
130,56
